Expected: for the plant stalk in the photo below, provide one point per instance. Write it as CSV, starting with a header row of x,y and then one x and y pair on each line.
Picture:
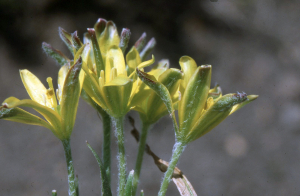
x,y
139,159
119,132
70,167
106,152
177,151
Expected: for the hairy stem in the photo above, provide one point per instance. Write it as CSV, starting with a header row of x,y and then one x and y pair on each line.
x,y
106,154
70,168
119,132
139,159
177,150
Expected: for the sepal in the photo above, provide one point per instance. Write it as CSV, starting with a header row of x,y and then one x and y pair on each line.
x,y
57,55
140,43
18,115
194,98
70,97
215,115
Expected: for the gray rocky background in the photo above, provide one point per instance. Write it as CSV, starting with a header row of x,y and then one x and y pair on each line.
x,y
253,46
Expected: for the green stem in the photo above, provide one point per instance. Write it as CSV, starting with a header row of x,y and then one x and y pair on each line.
x,y
71,176
139,159
106,154
118,124
177,150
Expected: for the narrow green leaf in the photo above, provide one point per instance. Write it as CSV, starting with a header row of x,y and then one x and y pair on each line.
x,y
57,55
77,185
128,186
106,190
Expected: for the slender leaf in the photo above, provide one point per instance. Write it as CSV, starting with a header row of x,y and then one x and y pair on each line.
x,y
128,186
106,191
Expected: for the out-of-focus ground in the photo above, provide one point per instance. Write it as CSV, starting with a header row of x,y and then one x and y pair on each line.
x,y
253,46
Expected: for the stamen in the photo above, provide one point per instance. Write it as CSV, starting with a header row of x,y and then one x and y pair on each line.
x,y
101,82
57,94
113,73
102,74
51,94
50,84
94,69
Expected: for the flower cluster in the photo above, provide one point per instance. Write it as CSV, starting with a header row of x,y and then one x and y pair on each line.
x,y
114,82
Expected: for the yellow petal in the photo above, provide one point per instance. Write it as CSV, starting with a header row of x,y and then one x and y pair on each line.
x,y
108,37
50,115
34,87
133,59
114,59
147,63
79,53
118,93
61,80
154,104
162,92
92,88
214,115
18,115
118,81
188,66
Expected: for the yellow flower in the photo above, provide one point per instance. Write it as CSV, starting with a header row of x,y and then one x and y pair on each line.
x,y
108,82
198,112
59,111
201,108
152,108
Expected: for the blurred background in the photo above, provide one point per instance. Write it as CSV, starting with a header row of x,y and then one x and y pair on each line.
x,y
253,46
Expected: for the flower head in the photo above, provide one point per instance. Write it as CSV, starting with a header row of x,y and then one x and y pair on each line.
x,y
109,82
200,108
59,109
